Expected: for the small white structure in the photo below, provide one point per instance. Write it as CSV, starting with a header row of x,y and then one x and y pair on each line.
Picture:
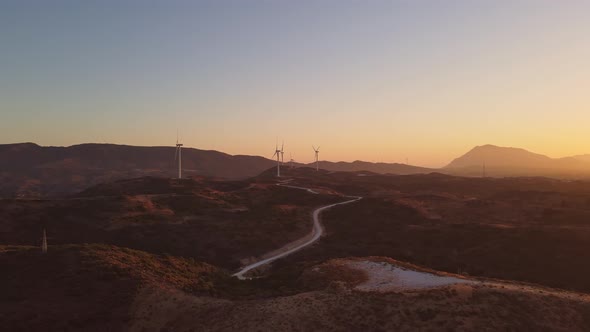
x,y
317,152
278,154
178,155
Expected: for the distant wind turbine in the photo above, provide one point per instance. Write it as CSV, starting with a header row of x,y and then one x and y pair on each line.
x,y
278,154
282,153
292,160
317,152
178,155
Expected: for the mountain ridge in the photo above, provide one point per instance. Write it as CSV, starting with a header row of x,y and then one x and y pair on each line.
x,y
28,169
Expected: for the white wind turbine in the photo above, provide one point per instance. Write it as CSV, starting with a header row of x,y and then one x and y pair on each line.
x,y
278,154
178,155
317,152
282,153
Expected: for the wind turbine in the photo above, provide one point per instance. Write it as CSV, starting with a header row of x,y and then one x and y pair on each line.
x,y
292,160
278,154
178,155
282,153
317,152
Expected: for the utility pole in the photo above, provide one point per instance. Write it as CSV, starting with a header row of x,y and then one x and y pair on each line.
x,y
44,243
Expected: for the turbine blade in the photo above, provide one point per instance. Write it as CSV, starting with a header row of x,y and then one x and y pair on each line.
x,y
176,153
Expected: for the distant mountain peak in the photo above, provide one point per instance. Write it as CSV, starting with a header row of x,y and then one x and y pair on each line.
x,y
514,161
486,146
492,147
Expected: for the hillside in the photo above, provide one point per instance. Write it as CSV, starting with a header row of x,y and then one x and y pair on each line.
x,y
88,287
583,157
32,170
381,168
105,288
527,229
516,247
219,222
343,304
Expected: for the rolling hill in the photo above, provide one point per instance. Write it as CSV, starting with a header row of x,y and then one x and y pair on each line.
x,y
381,168
156,254
31,170
96,287
583,157
27,169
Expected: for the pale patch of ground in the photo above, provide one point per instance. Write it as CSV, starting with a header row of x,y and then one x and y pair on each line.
x,y
422,208
147,205
138,206
385,277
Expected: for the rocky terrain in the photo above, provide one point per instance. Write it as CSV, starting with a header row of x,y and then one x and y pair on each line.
x,y
417,252
221,222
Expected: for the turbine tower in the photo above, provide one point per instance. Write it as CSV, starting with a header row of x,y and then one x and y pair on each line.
x,y
278,154
291,160
317,152
178,155
282,153
44,243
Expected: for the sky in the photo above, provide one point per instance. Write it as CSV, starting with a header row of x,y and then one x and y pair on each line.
x,y
369,80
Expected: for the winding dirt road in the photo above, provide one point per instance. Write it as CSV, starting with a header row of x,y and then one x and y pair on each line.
x,y
317,232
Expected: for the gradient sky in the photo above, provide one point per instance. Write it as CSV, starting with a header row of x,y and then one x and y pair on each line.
x,y
370,80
